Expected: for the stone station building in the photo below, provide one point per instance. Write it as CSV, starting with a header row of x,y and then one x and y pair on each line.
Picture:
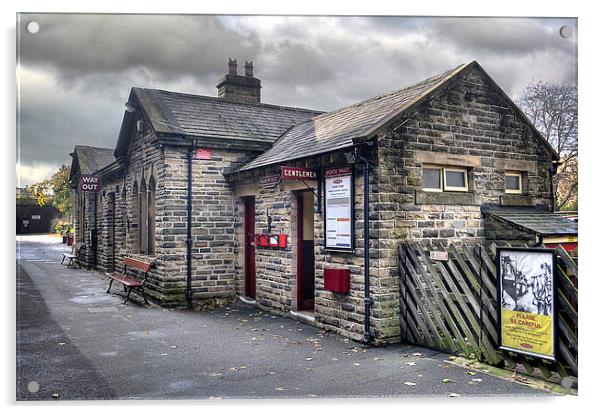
x,y
232,198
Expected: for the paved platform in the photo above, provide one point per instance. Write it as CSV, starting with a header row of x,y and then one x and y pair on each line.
x,y
78,342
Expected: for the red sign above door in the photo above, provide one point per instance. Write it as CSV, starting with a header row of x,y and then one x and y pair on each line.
x,y
202,154
298,173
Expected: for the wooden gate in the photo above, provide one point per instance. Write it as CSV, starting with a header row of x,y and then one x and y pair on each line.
x,y
451,305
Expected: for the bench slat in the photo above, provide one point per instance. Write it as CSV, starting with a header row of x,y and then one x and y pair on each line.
x,y
138,264
128,281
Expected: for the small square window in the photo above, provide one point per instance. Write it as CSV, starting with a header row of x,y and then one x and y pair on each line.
x,y
455,179
431,179
513,182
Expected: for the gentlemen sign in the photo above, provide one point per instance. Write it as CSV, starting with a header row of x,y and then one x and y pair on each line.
x,y
338,185
89,183
298,173
527,295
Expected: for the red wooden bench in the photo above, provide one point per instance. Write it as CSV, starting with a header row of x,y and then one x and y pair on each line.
x,y
131,283
73,257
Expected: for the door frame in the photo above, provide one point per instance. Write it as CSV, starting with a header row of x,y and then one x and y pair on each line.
x,y
300,259
249,243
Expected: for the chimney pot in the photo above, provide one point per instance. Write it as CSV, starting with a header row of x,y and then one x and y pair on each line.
x,y
232,66
249,69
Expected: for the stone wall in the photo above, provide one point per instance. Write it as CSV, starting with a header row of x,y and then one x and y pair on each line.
x,y
469,125
276,269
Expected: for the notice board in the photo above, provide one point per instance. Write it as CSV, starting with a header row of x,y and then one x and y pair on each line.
x,y
338,195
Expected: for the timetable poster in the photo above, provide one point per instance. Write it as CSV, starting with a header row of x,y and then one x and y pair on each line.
x,y
338,189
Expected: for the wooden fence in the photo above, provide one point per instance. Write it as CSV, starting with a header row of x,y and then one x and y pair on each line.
x,y
451,305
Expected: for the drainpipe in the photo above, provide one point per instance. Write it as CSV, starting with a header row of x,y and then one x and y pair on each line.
x,y
552,171
189,236
368,301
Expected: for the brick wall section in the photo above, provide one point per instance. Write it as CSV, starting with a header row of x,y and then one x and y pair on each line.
x,y
276,269
213,224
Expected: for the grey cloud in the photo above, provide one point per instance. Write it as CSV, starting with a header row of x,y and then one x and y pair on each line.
x,y
90,62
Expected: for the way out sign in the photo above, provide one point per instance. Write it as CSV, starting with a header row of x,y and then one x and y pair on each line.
x,y
89,183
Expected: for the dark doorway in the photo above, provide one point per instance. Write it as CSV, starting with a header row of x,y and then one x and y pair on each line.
x,y
250,247
305,251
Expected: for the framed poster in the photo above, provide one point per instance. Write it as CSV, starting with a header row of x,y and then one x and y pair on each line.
x,y
527,301
338,217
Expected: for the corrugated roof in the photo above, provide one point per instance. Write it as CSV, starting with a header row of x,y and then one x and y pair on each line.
x,y
92,159
542,223
209,117
338,129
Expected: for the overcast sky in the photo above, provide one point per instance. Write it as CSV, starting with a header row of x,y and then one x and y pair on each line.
x,y
75,74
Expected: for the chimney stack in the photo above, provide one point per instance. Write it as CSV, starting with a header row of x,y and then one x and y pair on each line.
x,y
237,88
232,67
249,69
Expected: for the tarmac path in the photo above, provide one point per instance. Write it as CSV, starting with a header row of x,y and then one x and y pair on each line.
x,y
77,342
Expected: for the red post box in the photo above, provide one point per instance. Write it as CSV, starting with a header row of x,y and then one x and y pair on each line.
x,y
337,280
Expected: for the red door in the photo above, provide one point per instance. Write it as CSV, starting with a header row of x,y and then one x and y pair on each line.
x,y
250,247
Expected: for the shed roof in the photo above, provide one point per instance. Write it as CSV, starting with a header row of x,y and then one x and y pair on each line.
x,y
91,159
538,222
349,125
196,116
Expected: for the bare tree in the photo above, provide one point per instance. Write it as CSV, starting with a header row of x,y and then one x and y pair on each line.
x,y
553,110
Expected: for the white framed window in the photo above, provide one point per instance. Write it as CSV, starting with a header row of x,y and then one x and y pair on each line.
x,y
432,178
513,182
455,179
437,178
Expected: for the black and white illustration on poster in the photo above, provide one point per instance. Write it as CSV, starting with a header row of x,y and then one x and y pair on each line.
x,y
527,281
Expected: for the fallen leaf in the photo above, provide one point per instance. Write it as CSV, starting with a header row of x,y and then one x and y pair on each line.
x,y
61,343
279,389
452,357
471,373
335,359
308,359
453,394
357,364
447,380
417,354
410,384
55,396
411,363
377,358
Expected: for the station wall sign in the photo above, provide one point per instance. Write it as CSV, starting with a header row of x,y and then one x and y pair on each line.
x,y
202,154
89,183
298,173
527,301
338,191
268,181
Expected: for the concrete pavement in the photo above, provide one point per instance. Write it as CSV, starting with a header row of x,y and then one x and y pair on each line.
x,y
78,342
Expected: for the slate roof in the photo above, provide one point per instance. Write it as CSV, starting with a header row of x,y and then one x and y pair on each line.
x,y
210,117
92,159
350,125
338,129
539,222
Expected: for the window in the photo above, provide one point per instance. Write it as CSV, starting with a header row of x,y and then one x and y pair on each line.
x,y
431,179
444,179
513,182
455,179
